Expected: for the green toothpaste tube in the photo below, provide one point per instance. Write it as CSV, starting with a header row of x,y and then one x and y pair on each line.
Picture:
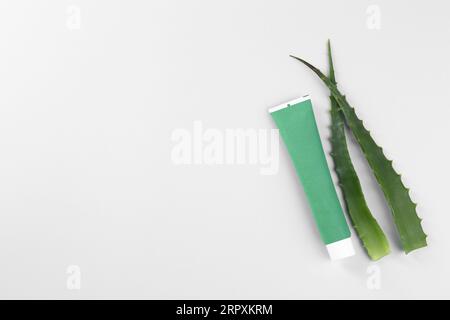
x,y
298,129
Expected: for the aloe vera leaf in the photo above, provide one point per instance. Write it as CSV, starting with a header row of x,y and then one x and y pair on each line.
x,y
403,209
367,228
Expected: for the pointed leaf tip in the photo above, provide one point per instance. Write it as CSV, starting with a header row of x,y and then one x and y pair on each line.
x,y
330,64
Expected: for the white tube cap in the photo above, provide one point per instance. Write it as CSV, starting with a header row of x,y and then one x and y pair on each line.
x,y
341,249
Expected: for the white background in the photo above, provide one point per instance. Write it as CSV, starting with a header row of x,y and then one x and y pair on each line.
x,y
86,117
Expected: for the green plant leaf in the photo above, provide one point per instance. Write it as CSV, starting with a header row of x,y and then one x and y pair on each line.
x,y
367,228
407,222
